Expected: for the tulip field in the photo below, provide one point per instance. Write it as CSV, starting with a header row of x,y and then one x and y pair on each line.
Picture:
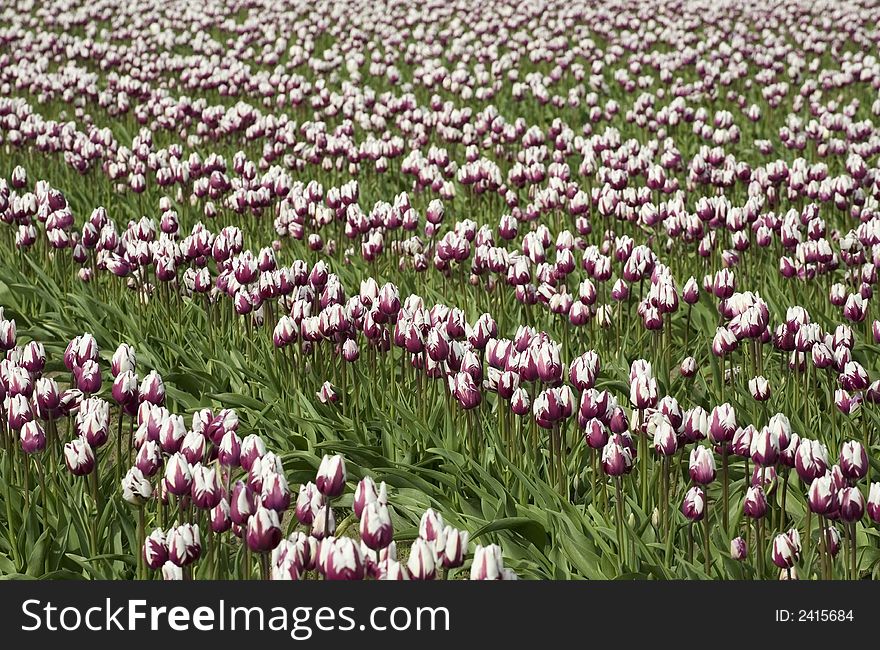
x,y
324,290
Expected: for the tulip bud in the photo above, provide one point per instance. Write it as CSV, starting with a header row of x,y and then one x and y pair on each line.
x,y
784,551
376,529
275,492
811,460
853,460
152,389
665,439
616,459
760,388
364,494
193,447
702,465
764,448
221,517
643,392
453,553
832,540
79,457
487,563
342,559
136,489
263,530
123,360
48,397
851,504
206,492
242,504
252,447
125,388
722,424
822,496
33,438
694,504
171,572
873,506
155,549
738,549
755,503
421,562
184,544
171,434
324,524
431,525
229,453
688,367
308,503
178,476
331,476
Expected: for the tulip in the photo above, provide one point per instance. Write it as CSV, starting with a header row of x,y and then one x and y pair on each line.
x,y
324,524
229,453
811,460
221,517
695,426
252,448
694,504
365,493
759,388
853,460
454,550
152,389
764,448
206,492
688,367
171,571
702,465
755,503
873,506
851,504
18,412
155,549
375,527
832,540
431,525
242,504
331,476
616,459
327,394
125,388
136,489
123,360
785,551
308,503
263,530
421,562
178,476
194,447
738,549
394,570
665,439
595,434
171,434
33,437
722,424
822,495
343,560
643,392
79,457
184,544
